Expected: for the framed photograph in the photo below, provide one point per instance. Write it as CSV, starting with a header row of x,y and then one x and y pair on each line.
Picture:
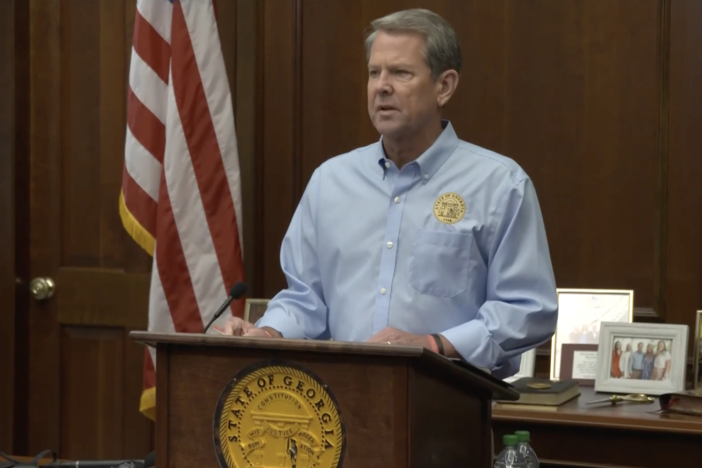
x,y
254,309
579,362
648,358
526,367
580,312
697,353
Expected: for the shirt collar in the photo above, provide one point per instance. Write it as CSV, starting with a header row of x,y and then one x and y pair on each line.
x,y
434,157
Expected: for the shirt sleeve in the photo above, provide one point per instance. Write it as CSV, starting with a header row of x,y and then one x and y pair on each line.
x,y
299,311
521,307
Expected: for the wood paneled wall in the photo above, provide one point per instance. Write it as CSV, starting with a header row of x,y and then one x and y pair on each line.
x,y
14,140
598,100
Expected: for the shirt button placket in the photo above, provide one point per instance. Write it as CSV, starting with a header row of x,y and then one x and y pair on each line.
x,y
389,254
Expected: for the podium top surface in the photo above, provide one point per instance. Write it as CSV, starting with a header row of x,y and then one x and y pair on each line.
x,y
460,370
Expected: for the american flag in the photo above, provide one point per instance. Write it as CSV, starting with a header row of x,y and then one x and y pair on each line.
x,y
181,194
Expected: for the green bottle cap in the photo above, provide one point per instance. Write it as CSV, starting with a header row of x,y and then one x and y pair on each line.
x,y
522,436
509,439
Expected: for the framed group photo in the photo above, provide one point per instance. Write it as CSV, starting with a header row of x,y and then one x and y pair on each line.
x,y
648,358
580,313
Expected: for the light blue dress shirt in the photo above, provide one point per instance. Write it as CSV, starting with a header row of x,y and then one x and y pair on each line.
x,y
365,251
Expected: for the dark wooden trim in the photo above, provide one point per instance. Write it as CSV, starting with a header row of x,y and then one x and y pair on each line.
x,y
297,182
259,179
646,314
403,440
21,227
7,221
162,401
661,246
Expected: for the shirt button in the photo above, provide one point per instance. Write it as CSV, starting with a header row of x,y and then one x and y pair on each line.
x,y
397,199
383,290
390,244
426,176
387,164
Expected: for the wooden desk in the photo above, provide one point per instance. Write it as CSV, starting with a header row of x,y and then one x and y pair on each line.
x,y
626,435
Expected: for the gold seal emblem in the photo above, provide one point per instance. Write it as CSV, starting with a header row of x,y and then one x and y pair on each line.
x,y
449,208
539,386
278,416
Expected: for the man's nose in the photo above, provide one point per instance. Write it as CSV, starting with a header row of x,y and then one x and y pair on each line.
x,y
383,84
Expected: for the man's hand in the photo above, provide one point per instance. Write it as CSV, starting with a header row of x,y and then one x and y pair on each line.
x,y
391,335
239,327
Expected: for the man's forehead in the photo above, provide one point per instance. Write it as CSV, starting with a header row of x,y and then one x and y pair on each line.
x,y
400,42
396,52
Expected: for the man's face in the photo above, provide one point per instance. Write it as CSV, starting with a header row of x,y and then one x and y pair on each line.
x,y
402,97
640,347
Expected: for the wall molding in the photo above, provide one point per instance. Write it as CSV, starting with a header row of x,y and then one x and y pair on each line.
x,y
661,215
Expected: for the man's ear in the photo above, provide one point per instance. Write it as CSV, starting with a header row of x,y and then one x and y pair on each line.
x,y
446,85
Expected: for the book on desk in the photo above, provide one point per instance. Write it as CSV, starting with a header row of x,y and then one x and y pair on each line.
x,y
541,394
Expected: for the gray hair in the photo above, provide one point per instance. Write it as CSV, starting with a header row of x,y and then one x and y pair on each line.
x,y
441,49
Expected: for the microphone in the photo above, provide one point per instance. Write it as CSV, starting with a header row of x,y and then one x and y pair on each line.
x,y
238,290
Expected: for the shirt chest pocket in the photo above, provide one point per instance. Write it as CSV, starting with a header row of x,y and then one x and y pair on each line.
x,y
441,262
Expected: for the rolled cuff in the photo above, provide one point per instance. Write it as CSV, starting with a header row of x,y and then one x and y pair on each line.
x,y
474,344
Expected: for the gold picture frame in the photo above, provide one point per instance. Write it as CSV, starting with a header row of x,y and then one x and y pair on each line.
x,y
596,306
254,309
697,353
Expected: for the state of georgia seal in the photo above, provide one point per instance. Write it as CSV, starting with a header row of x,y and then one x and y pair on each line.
x,y
449,208
277,414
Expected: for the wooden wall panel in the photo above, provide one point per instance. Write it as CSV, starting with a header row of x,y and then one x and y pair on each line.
x,y
278,159
684,169
245,93
94,400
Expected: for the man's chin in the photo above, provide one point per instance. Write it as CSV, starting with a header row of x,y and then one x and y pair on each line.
x,y
388,129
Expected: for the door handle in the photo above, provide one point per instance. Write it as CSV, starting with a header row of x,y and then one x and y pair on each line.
x,y
42,288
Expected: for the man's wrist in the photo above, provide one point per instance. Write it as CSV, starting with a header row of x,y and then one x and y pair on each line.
x,y
432,344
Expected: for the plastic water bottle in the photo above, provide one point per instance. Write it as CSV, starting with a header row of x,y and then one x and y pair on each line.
x,y
523,446
510,457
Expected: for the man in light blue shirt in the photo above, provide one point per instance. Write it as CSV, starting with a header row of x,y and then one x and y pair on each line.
x,y
420,238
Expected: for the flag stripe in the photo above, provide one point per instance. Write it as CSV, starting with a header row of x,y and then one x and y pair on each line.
x,y
142,166
159,315
139,203
173,271
219,99
148,87
204,150
146,127
158,13
151,47
190,218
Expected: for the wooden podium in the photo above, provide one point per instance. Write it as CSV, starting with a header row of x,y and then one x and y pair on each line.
x,y
251,402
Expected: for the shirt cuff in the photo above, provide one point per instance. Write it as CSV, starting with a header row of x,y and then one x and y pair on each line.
x,y
283,322
474,343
